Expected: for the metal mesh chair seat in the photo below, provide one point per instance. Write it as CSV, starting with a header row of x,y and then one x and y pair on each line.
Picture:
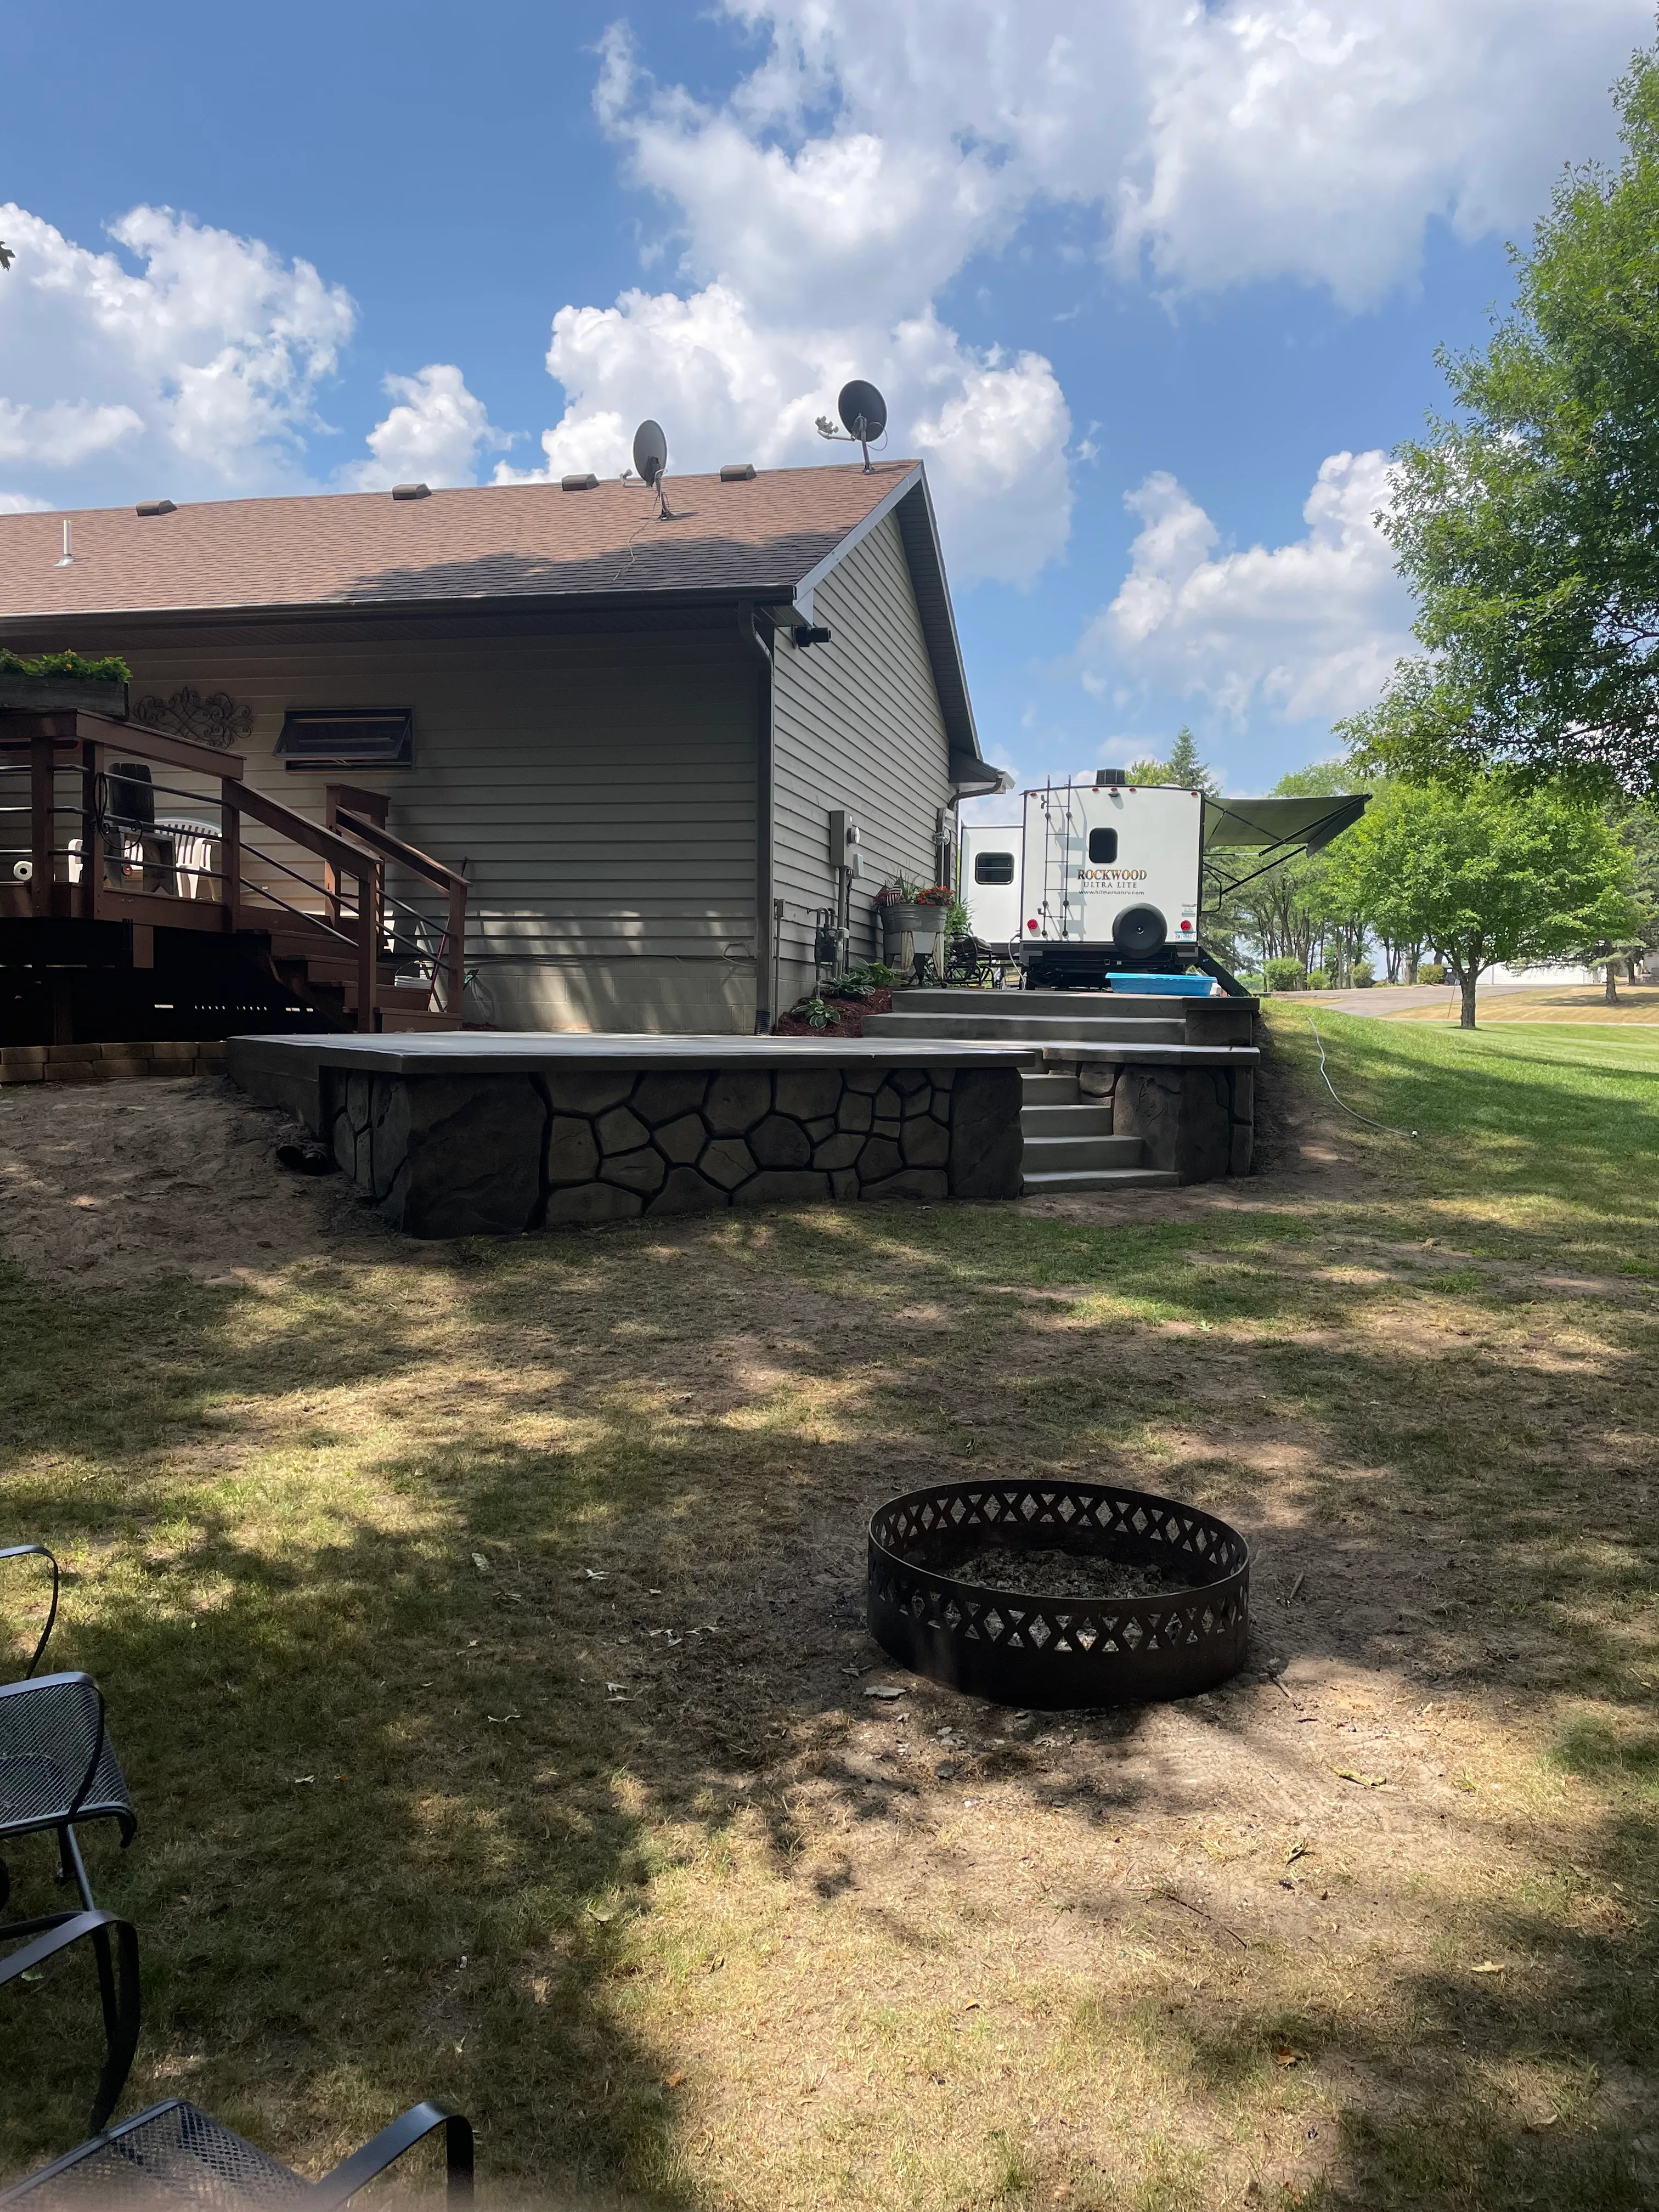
x,y
171,2155
57,1764
174,2155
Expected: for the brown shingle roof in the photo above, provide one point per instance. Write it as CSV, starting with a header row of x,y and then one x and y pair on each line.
x,y
503,541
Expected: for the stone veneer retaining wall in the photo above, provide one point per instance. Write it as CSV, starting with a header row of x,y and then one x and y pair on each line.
x,y
452,1155
1198,1122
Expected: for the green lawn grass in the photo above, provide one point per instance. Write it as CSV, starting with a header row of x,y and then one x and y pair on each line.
x,y
480,1625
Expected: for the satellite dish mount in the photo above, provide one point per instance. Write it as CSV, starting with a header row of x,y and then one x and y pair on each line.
x,y
863,414
651,463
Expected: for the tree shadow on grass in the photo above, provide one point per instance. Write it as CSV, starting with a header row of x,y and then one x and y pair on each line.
x,y
392,1804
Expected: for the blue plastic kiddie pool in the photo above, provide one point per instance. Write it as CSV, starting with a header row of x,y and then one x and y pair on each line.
x,y
1167,987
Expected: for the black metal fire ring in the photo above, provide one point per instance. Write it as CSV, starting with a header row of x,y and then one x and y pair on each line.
x,y
1059,1652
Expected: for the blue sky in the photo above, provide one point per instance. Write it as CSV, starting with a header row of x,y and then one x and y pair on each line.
x,y
1152,289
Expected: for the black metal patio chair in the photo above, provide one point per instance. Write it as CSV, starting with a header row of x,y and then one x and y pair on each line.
x,y
37,1552
57,1766
117,1986
174,2155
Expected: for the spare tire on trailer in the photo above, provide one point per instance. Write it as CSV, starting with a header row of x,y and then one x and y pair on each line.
x,y
1139,929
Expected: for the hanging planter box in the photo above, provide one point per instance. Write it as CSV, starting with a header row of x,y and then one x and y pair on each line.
x,y
46,695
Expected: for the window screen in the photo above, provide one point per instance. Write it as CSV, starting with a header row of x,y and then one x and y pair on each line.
x,y
348,737
1102,846
993,867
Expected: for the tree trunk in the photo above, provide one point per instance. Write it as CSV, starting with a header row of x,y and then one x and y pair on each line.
x,y
1467,980
1612,983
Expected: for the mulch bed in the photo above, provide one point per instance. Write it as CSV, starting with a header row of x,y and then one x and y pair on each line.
x,y
847,1016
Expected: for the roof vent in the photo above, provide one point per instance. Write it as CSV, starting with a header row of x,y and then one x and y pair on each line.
x,y
737,472
156,506
1110,779
579,484
411,491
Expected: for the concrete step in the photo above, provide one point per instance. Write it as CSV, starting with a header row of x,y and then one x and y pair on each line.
x,y
1043,1181
1063,1120
1033,1029
1081,1152
1058,1090
931,998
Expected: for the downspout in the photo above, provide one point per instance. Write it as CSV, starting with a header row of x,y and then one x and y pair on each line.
x,y
765,958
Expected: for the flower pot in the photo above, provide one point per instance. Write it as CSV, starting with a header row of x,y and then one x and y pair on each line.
x,y
906,931
44,695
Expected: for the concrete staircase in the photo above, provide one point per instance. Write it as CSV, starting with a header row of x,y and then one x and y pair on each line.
x,y
1068,1140
1069,1144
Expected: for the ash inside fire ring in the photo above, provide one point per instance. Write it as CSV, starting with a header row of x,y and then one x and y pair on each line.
x,y
1060,1574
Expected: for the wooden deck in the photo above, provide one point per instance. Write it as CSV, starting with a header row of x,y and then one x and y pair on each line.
x,y
106,823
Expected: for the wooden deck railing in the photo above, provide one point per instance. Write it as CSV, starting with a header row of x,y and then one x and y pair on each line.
x,y
67,851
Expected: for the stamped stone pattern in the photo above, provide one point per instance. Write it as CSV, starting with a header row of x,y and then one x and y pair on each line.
x,y
447,1156
1198,1122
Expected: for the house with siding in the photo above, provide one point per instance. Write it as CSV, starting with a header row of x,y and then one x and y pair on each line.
x,y
628,729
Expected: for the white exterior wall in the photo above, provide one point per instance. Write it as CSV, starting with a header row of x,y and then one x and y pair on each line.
x,y
856,725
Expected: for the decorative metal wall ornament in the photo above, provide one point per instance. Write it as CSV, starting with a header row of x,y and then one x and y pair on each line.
x,y
215,720
1055,1652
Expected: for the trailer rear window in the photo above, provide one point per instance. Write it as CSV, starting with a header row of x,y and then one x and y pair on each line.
x,y
993,867
1103,847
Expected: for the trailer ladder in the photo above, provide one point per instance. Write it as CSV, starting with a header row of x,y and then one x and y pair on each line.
x,y
1062,831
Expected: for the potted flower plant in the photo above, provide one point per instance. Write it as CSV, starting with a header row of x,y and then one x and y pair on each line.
x,y
38,682
912,921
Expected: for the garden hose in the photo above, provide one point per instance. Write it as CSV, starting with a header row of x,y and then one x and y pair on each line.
x,y
1343,1103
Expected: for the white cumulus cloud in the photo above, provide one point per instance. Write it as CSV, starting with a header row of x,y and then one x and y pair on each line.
x,y
1310,628
196,372
727,386
433,435
872,152
802,269
1312,139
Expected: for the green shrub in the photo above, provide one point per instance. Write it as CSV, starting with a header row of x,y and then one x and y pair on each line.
x,y
108,668
1254,984
1285,975
1431,971
1322,979
1364,972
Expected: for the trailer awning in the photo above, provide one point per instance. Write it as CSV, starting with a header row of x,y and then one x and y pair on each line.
x,y
1307,825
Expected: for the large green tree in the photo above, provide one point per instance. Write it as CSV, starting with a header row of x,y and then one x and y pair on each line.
x,y
1486,873
1528,520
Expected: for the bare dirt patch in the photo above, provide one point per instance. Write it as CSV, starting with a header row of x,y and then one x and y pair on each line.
x,y
113,1187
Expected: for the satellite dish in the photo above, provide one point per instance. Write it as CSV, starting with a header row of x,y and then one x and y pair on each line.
x,y
650,451
863,416
862,409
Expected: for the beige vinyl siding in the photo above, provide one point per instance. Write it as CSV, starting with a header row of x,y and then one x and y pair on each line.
x,y
857,724
601,791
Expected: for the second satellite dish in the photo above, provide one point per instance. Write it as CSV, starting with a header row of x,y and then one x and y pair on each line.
x,y
863,414
650,451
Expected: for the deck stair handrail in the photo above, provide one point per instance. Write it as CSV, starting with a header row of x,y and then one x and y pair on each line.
x,y
344,858
447,880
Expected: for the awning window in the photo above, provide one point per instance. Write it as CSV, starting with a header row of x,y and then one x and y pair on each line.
x,y
348,737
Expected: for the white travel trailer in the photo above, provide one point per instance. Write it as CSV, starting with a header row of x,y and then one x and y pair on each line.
x,y
1104,874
